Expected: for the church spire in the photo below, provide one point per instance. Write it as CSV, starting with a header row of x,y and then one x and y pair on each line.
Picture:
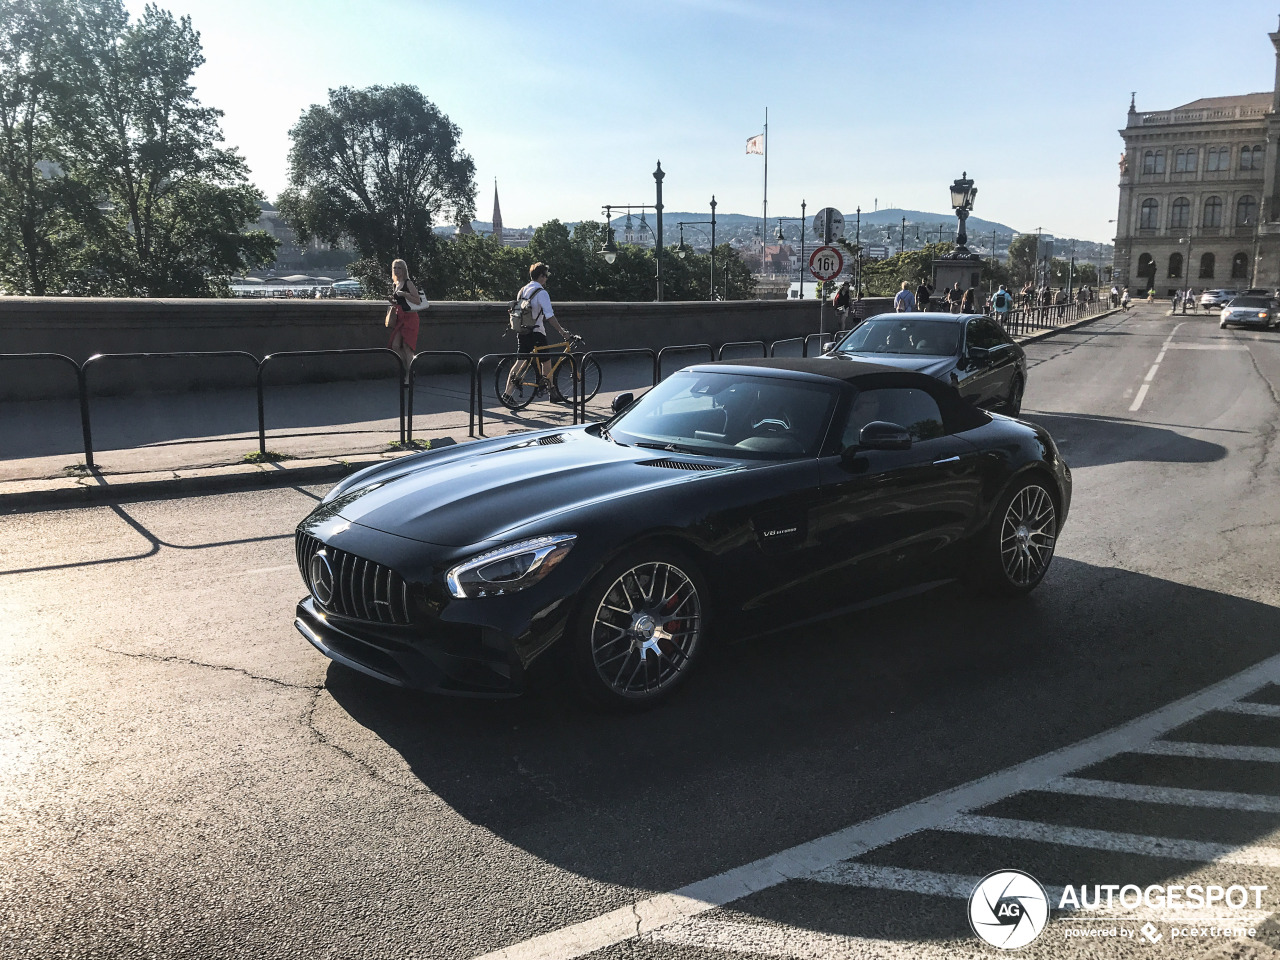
x,y
497,213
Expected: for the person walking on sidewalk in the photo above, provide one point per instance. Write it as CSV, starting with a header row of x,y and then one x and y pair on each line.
x,y
923,295
402,315
968,301
904,301
1125,300
535,291
1001,301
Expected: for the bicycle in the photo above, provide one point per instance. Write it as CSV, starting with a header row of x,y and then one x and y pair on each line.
x,y
559,382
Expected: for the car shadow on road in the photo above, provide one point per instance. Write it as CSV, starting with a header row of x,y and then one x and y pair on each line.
x,y
778,740
1092,441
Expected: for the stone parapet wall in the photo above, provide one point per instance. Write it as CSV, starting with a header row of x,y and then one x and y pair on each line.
x,y
81,327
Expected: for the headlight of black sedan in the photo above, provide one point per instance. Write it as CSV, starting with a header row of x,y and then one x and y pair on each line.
x,y
510,568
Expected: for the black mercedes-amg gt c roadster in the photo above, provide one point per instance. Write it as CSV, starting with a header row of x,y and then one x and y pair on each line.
x,y
731,499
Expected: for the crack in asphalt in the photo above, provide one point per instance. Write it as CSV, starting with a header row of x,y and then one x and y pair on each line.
x,y
1268,429
309,722
159,658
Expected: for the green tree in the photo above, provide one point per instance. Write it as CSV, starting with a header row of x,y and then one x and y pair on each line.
x,y
1022,258
377,168
173,204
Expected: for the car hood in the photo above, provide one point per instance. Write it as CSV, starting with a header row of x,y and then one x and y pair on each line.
x,y
466,499
932,366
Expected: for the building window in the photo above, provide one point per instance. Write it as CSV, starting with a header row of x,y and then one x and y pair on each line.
x,y
1251,158
1206,267
1185,161
1175,265
1181,213
1150,214
1239,266
1246,211
1211,159
1212,212
1153,161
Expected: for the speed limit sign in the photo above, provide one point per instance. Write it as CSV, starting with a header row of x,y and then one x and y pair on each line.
x,y
825,263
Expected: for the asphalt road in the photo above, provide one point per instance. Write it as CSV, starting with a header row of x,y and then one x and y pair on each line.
x,y
181,775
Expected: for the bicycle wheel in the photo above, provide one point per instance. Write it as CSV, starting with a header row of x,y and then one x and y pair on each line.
x,y
522,389
590,379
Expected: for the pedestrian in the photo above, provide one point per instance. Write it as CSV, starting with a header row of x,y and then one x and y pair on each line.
x,y
1125,300
923,295
968,301
1115,296
904,301
1151,294
843,302
533,339
1001,301
402,315
1191,295
1175,300
954,296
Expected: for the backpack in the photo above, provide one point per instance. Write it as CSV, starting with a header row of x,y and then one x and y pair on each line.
x,y
520,316
1000,301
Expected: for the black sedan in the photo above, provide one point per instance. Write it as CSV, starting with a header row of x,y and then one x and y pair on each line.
x,y
971,352
731,499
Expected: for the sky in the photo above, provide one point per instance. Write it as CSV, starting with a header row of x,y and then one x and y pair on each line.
x,y
569,105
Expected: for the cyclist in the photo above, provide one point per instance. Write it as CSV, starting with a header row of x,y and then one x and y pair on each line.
x,y
535,291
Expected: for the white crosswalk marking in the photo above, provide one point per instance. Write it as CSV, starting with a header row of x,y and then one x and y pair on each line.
x,y
1214,799
1209,751
1252,709
900,879
1173,847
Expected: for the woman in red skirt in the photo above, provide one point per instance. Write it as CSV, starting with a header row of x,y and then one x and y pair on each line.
x,y
404,325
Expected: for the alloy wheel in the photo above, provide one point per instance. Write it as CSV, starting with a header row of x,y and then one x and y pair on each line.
x,y
645,629
1028,535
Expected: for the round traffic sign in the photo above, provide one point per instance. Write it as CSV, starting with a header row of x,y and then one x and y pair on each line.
x,y
825,263
828,224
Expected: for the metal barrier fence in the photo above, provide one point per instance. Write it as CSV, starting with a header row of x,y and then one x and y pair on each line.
x,y
685,347
626,351
473,389
576,370
1021,319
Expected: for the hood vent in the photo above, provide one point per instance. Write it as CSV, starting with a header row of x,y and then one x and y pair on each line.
x,y
554,438
681,465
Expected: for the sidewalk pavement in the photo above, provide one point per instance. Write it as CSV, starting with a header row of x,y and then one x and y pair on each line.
x,y
171,445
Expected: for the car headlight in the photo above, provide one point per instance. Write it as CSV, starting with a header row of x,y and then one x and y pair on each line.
x,y
509,568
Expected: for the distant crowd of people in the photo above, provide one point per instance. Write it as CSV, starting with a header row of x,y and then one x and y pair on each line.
x,y
999,302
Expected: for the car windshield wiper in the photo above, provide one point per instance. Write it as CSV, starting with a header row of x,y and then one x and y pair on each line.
x,y
669,447
604,432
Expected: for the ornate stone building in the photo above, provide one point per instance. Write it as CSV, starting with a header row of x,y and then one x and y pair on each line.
x,y
1199,189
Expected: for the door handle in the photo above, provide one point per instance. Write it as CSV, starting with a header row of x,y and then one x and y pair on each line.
x,y
955,459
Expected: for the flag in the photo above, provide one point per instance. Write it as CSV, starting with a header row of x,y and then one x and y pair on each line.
x,y
756,144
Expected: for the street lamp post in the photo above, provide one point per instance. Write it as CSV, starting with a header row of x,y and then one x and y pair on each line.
x,y
609,249
1187,269
803,207
902,240
682,250
963,193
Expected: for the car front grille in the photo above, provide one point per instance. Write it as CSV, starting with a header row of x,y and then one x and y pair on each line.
x,y
362,589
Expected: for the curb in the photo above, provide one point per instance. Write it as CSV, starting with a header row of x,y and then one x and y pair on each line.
x,y
1079,323
80,491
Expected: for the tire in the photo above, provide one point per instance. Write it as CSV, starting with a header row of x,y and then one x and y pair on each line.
x,y
628,651
563,380
1015,549
1013,402
523,394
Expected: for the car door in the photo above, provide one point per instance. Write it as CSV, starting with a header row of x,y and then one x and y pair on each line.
x,y
987,380
883,517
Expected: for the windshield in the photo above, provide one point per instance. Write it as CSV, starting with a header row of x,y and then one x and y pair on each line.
x,y
1256,302
896,334
730,415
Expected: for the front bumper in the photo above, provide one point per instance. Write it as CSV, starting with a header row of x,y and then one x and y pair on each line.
x,y
403,656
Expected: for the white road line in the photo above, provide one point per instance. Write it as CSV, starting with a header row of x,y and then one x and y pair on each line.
x,y
1207,346
287,566
1142,390
1209,751
767,940
652,913
1252,709
1198,850
1172,796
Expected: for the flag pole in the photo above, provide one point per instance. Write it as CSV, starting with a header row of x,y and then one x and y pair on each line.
x,y
764,221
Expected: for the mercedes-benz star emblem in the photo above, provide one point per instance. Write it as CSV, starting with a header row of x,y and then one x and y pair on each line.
x,y
321,578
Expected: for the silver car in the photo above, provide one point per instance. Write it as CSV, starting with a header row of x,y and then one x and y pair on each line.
x,y
1250,312
1212,299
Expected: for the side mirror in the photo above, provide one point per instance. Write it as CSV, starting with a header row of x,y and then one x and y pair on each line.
x,y
882,435
979,355
622,401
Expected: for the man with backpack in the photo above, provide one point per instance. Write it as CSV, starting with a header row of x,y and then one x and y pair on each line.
x,y
1001,301
528,314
